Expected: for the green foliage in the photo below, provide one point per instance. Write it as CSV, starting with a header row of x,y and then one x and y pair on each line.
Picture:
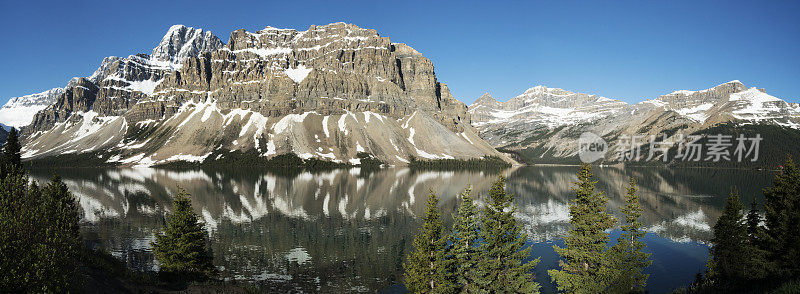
x,y
502,267
487,162
782,216
758,265
181,248
464,240
40,243
749,257
626,259
252,158
368,161
777,142
790,287
583,264
728,260
426,268
515,155
72,160
11,150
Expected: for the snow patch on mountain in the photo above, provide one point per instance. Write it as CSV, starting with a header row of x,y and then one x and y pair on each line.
x,y
697,113
19,111
299,73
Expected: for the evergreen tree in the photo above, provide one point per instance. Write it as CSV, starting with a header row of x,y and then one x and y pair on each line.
x,y
63,231
758,265
728,261
502,267
426,268
181,248
464,242
626,257
11,149
40,243
583,266
782,214
753,221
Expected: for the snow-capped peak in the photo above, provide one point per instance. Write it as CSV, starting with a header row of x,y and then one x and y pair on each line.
x,y
19,111
181,42
539,89
271,28
735,84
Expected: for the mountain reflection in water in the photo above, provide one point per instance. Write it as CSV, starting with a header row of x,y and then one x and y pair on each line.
x,y
348,230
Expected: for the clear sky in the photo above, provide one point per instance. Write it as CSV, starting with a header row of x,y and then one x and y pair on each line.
x,y
631,50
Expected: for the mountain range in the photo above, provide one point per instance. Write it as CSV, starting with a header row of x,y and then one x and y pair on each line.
x,y
545,124
336,92
330,92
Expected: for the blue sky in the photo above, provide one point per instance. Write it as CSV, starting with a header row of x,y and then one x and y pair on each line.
x,y
628,50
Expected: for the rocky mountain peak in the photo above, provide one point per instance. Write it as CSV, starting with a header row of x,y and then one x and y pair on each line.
x,y
537,89
330,92
182,42
729,87
486,99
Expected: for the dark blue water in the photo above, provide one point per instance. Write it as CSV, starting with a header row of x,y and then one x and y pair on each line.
x,y
349,230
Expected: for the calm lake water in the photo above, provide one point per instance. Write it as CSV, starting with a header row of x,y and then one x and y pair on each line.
x,y
348,230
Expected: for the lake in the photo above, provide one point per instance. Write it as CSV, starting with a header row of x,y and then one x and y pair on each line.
x,y
348,230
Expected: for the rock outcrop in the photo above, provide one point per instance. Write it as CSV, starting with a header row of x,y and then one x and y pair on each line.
x,y
328,92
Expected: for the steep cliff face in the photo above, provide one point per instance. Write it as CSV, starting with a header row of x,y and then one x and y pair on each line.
x,y
547,123
181,43
328,92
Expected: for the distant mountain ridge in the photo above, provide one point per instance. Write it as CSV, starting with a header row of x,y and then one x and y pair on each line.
x,y
19,111
546,123
329,93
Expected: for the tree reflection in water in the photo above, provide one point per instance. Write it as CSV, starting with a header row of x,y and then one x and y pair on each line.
x,y
348,230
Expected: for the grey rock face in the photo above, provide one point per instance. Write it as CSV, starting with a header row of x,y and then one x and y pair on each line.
x,y
78,98
328,92
119,82
183,42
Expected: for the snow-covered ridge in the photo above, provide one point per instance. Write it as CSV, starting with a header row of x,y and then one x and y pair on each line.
x,y
731,98
178,44
551,107
19,111
690,92
548,119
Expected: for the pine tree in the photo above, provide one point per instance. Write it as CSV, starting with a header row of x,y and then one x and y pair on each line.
x,y
181,248
11,153
40,232
63,233
583,266
753,222
728,260
426,268
782,214
502,267
758,265
19,225
464,240
626,257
